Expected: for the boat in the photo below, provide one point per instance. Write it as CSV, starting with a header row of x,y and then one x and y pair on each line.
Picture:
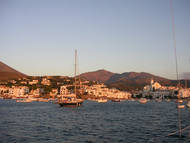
x,y
180,106
188,104
42,100
179,101
168,100
24,100
71,99
143,100
102,100
115,100
132,99
70,102
158,100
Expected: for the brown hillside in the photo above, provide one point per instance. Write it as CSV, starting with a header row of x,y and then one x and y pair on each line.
x,y
126,81
100,75
7,72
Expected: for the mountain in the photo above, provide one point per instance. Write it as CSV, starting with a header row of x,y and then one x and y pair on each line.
x,y
133,80
7,72
99,75
126,81
140,78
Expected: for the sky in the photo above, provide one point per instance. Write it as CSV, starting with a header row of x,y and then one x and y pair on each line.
x,y
39,37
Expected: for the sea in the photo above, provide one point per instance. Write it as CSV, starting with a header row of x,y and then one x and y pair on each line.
x,y
93,122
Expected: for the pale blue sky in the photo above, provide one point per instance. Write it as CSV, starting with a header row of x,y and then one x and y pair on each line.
x,y
38,37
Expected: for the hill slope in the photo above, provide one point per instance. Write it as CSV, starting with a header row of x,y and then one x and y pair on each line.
x,y
7,72
125,81
132,80
99,75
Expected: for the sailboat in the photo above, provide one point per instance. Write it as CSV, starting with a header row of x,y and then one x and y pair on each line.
x,y
71,99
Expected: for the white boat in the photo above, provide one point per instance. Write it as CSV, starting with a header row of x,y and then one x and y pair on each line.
x,y
168,100
179,101
102,100
42,100
143,100
188,104
33,99
24,100
180,106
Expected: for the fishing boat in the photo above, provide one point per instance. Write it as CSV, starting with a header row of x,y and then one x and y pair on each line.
x,y
71,99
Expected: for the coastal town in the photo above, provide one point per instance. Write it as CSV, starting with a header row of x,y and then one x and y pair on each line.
x,y
53,88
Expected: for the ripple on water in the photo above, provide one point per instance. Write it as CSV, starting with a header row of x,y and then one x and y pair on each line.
x,y
93,122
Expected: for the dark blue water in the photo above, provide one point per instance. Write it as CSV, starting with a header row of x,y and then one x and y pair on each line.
x,y
126,121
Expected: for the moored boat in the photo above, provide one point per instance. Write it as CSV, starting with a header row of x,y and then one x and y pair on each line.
x,y
70,102
143,100
180,106
71,99
42,100
102,100
188,104
24,100
179,101
115,100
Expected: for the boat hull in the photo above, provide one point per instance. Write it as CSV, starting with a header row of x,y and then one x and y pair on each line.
x,y
70,104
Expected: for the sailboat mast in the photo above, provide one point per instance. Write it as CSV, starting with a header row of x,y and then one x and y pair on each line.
x,y
75,71
176,63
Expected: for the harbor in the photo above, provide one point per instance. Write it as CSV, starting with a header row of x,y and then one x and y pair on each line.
x,y
132,85
126,121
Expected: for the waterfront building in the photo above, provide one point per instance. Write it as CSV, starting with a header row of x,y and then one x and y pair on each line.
x,y
4,89
23,82
64,90
12,81
18,91
35,81
54,92
153,86
37,92
46,81
184,93
101,91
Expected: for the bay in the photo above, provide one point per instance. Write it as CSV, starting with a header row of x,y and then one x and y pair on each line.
x,y
126,121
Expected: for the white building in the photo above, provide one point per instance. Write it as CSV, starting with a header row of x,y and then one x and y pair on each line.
x,y
54,91
37,92
18,91
153,86
184,93
64,90
4,89
33,82
45,81
100,90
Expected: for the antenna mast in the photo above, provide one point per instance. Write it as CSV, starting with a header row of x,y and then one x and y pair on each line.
x,y
75,71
